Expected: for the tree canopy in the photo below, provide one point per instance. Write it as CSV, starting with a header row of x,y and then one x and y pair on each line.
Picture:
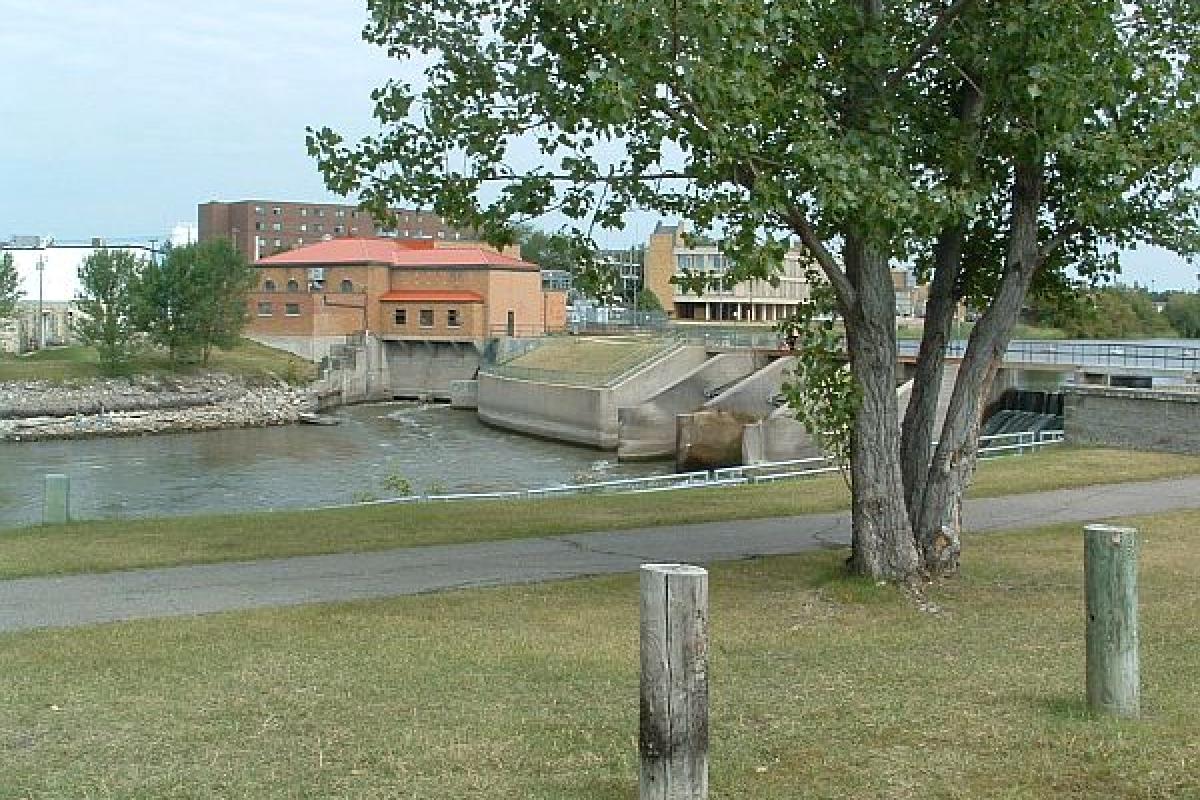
x,y
10,282
1001,147
106,303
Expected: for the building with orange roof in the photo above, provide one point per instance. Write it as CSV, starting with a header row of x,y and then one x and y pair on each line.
x,y
431,306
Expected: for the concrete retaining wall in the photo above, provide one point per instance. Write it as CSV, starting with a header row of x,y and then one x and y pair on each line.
x,y
647,430
464,394
313,348
581,414
427,369
1145,419
708,440
753,395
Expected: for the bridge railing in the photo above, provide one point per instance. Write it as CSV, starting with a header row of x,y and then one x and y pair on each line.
x,y
1085,354
765,472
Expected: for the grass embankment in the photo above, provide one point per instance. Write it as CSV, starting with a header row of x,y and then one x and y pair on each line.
x,y
111,545
77,364
596,357
821,687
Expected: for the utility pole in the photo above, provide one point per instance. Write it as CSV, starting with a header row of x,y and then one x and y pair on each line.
x,y
41,323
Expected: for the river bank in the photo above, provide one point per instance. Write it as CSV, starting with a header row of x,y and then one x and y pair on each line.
x,y
37,411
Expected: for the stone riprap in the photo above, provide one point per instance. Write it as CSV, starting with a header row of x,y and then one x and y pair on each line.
x,y
34,411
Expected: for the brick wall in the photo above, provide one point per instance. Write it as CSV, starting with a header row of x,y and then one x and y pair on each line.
x,y
1143,419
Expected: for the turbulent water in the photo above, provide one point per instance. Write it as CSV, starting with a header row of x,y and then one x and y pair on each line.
x,y
434,448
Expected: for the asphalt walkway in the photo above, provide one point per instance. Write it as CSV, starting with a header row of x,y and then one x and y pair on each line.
x,y
183,591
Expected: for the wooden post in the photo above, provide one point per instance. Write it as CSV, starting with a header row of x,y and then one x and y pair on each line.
x,y
56,505
673,729
1110,580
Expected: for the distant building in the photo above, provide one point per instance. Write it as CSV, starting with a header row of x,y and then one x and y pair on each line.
x,y
50,269
432,305
19,333
910,296
668,255
260,228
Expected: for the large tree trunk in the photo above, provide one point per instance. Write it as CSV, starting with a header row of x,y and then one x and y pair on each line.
x,y
937,515
883,543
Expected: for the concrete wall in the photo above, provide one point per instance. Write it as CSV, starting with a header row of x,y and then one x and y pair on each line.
x,y
708,440
1145,419
752,396
581,414
464,394
427,369
647,430
313,348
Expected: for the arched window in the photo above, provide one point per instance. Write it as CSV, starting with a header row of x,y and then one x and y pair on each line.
x,y
268,285
347,286
293,286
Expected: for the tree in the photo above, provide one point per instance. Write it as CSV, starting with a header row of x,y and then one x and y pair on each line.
x,y
223,277
105,301
646,300
10,282
547,250
1183,310
996,145
167,296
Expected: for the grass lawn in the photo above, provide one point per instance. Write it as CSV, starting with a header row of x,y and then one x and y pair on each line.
x,y
821,687
601,356
80,364
120,544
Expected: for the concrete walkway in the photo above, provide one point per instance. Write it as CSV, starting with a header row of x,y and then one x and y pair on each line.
x,y
181,591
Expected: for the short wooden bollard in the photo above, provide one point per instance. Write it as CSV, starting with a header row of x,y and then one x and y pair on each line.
x,y
673,726
1110,557
56,505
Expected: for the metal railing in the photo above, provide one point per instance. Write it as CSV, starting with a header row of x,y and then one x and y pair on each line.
x,y
1085,354
767,472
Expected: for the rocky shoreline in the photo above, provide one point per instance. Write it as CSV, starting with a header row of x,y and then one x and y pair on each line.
x,y
35,410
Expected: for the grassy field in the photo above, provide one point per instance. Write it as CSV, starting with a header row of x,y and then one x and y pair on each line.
x,y
600,356
80,364
821,687
120,544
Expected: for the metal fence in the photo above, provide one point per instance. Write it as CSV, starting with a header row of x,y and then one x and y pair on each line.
x,y
1085,354
767,472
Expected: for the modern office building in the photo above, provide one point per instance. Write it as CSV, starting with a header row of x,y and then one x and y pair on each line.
x,y
260,228
669,254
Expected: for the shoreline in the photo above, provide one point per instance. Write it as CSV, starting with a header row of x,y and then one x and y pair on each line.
x,y
33,411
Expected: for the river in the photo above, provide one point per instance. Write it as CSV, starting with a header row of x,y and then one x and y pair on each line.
x,y
435,448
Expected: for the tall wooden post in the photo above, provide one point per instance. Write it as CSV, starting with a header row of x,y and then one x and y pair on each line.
x,y
673,729
56,504
1110,557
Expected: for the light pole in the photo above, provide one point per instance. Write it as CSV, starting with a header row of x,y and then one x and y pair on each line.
x,y
41,323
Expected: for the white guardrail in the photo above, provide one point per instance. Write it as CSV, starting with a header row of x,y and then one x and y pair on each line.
x,y
766,472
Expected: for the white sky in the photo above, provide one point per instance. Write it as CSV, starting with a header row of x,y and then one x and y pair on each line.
x,y
117,118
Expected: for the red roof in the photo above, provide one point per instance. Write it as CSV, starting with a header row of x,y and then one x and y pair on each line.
x,y
431,296
394,253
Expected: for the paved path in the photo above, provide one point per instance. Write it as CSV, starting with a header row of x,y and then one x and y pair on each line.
x,y
87,599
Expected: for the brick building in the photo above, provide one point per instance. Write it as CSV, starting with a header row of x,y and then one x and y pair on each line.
x,y
260,228
431,304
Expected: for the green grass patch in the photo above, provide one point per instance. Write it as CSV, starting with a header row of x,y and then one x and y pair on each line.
x,y
601,356
99,546
76,364
820,688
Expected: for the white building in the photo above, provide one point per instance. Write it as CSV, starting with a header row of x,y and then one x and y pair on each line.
x,y
50,269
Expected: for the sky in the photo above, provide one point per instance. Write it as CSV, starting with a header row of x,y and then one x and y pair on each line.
x,y
117,118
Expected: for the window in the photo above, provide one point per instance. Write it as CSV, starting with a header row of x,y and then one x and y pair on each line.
x,y
277,211
259,226
453,320
354,230
341,212
401,316
291,309
304,212
299,242
339,229
405,234
441,234
264,309
279,242
320,212
347,286
420,233
276,226
258,210
318,227
268,285
293,286
426,317
303,227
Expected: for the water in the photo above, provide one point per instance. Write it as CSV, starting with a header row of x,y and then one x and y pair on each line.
x,y
435,448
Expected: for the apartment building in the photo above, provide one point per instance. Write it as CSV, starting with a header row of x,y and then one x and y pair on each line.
x,y
260,228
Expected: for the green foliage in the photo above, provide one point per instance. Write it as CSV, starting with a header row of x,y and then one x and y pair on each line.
x,y
1183,311
397,484
1110,313
824,394
547,250
107,281
9,281
647,300
195,299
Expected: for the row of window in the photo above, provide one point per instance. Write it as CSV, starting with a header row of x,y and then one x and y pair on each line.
x,y
425,317
339,230
277,211
269,285
289,309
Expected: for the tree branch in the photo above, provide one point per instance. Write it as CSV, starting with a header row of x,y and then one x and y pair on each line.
x,y
936,35
825,260
1057,240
